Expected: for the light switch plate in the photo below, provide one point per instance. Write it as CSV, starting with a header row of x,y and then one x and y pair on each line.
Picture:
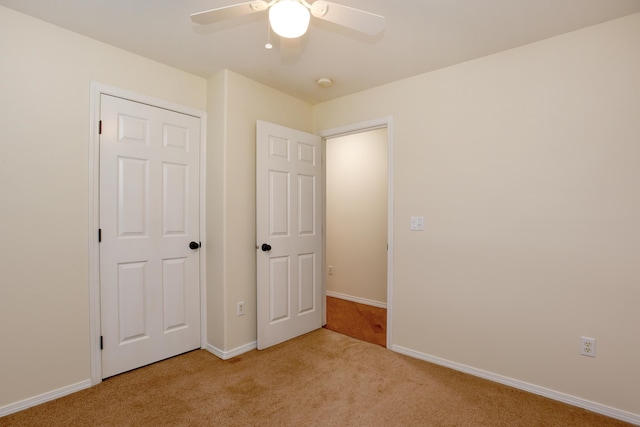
x,y
417,223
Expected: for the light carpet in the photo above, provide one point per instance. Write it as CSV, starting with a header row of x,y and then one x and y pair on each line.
x,y
319,379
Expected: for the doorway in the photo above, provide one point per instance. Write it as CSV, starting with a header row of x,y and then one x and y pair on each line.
x,y
358,240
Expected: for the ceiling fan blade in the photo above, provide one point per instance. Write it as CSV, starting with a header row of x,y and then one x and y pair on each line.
x,y
219,14
356,19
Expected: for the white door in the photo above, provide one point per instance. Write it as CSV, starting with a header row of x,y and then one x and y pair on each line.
x,y
149,215
289,233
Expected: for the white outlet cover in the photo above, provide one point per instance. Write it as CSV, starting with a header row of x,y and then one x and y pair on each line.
x,y
417,223
588,346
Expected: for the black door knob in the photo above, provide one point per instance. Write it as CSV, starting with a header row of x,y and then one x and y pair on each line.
x,y
194,245
266,247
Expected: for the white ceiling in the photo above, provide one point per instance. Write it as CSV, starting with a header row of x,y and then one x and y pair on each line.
x,y
420,36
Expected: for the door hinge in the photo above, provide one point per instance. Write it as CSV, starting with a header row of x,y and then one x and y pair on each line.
x,y
99,235
101,346
100,127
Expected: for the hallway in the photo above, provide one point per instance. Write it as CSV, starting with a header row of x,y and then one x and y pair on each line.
x,y
364,322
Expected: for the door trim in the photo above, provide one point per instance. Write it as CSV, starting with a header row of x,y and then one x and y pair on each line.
x,y
98,89
383,122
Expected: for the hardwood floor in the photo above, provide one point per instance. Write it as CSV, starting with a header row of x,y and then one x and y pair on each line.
x,y
364,322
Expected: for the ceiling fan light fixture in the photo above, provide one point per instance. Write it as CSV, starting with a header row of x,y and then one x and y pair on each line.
x,y
289,18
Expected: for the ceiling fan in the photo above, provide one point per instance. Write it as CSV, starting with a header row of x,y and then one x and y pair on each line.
x,y
290,18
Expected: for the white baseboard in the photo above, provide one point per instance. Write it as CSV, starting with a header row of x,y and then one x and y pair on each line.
x,y
45,397
224,355
357,299
531,388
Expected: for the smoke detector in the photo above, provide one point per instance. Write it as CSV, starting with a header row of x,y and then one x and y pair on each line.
x,y
324,82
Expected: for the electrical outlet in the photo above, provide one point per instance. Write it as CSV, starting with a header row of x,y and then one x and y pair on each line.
x,y
240,310
588,346
330,268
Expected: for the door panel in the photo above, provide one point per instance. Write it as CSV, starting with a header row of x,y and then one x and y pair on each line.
x,y
306,285
131,301
279,204
279,289
149,212
175,288
306,205
289,207
132,197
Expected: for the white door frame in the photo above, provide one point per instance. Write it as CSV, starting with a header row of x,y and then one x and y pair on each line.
x,y
384,122
97,90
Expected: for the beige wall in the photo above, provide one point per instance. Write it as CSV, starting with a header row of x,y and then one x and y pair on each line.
x,y
231,268
356,215
216,190
525,166
45,77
